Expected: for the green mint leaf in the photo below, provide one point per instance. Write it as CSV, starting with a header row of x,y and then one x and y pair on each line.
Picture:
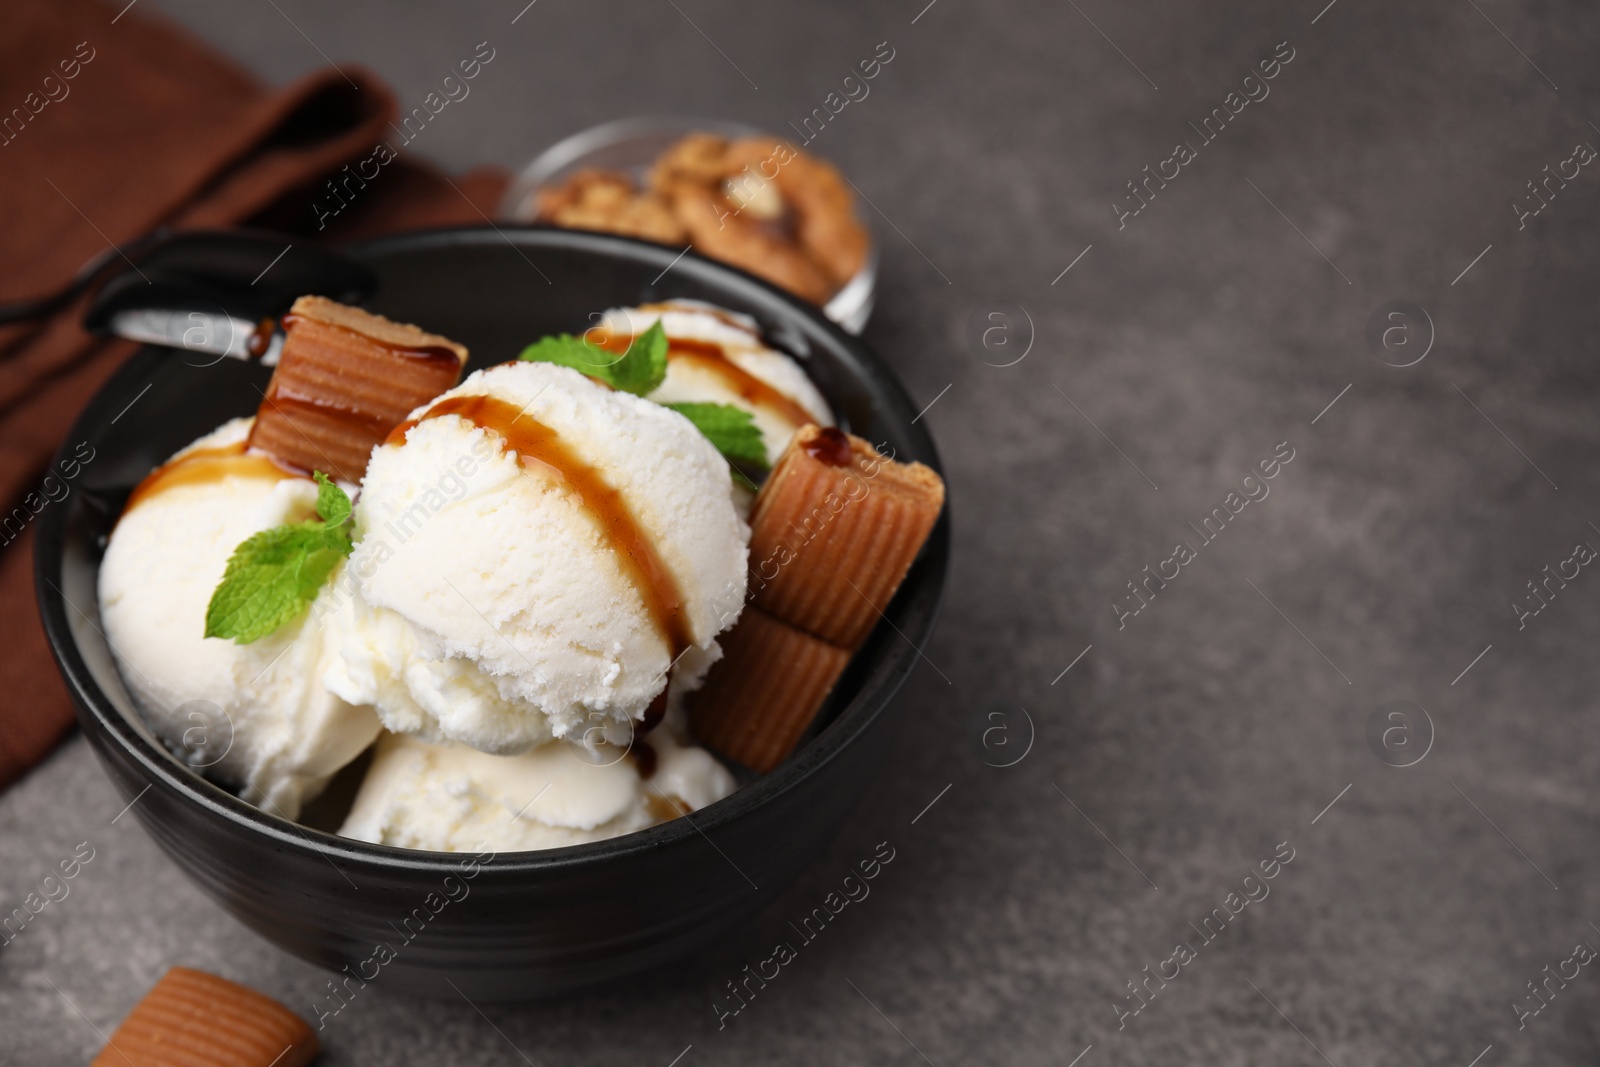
x,y
639,371
337,539
333,506
575,352
643,369
273,576
270,580
732,430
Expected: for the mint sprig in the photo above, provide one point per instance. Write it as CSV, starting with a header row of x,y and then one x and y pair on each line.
x,y
639,370
273,576
732,430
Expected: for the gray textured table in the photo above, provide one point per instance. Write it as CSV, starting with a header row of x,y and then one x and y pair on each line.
x,y
1189,742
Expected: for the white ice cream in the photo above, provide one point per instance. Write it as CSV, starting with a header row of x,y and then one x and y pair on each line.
x,y
255,716
485,605
688,381
452,798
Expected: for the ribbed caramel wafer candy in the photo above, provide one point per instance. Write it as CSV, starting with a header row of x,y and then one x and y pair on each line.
x,y
347,377
833,532
759,699
195,1019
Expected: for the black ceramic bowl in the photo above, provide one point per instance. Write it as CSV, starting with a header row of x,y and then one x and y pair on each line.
x,y
531,923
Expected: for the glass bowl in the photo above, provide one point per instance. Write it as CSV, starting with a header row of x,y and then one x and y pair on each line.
x,y
630,146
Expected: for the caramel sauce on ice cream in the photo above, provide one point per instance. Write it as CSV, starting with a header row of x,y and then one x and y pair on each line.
x,y
207,466
712,357
541,448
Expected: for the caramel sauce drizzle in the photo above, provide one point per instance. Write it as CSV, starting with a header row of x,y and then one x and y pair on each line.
x,y
541,448
831,446
259,341
207,466
717,313
714,358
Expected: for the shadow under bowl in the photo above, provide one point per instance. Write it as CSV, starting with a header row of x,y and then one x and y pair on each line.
x,y
516,925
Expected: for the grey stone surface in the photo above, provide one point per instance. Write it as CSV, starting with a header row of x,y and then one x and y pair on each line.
x,y
1230,712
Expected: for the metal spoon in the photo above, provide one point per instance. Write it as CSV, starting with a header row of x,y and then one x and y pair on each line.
x,y
221,292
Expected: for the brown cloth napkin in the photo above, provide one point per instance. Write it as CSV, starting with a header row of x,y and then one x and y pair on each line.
x,y
112,124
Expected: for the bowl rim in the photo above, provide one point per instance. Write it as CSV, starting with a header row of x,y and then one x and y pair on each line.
x,y
160,768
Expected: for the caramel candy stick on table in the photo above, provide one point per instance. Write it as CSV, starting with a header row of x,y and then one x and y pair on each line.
x,y
347,377
834,531
194,1019
759,700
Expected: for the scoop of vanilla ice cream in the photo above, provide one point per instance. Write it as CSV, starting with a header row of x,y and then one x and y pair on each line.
x,y
740,340
452,798
485,602
253,716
